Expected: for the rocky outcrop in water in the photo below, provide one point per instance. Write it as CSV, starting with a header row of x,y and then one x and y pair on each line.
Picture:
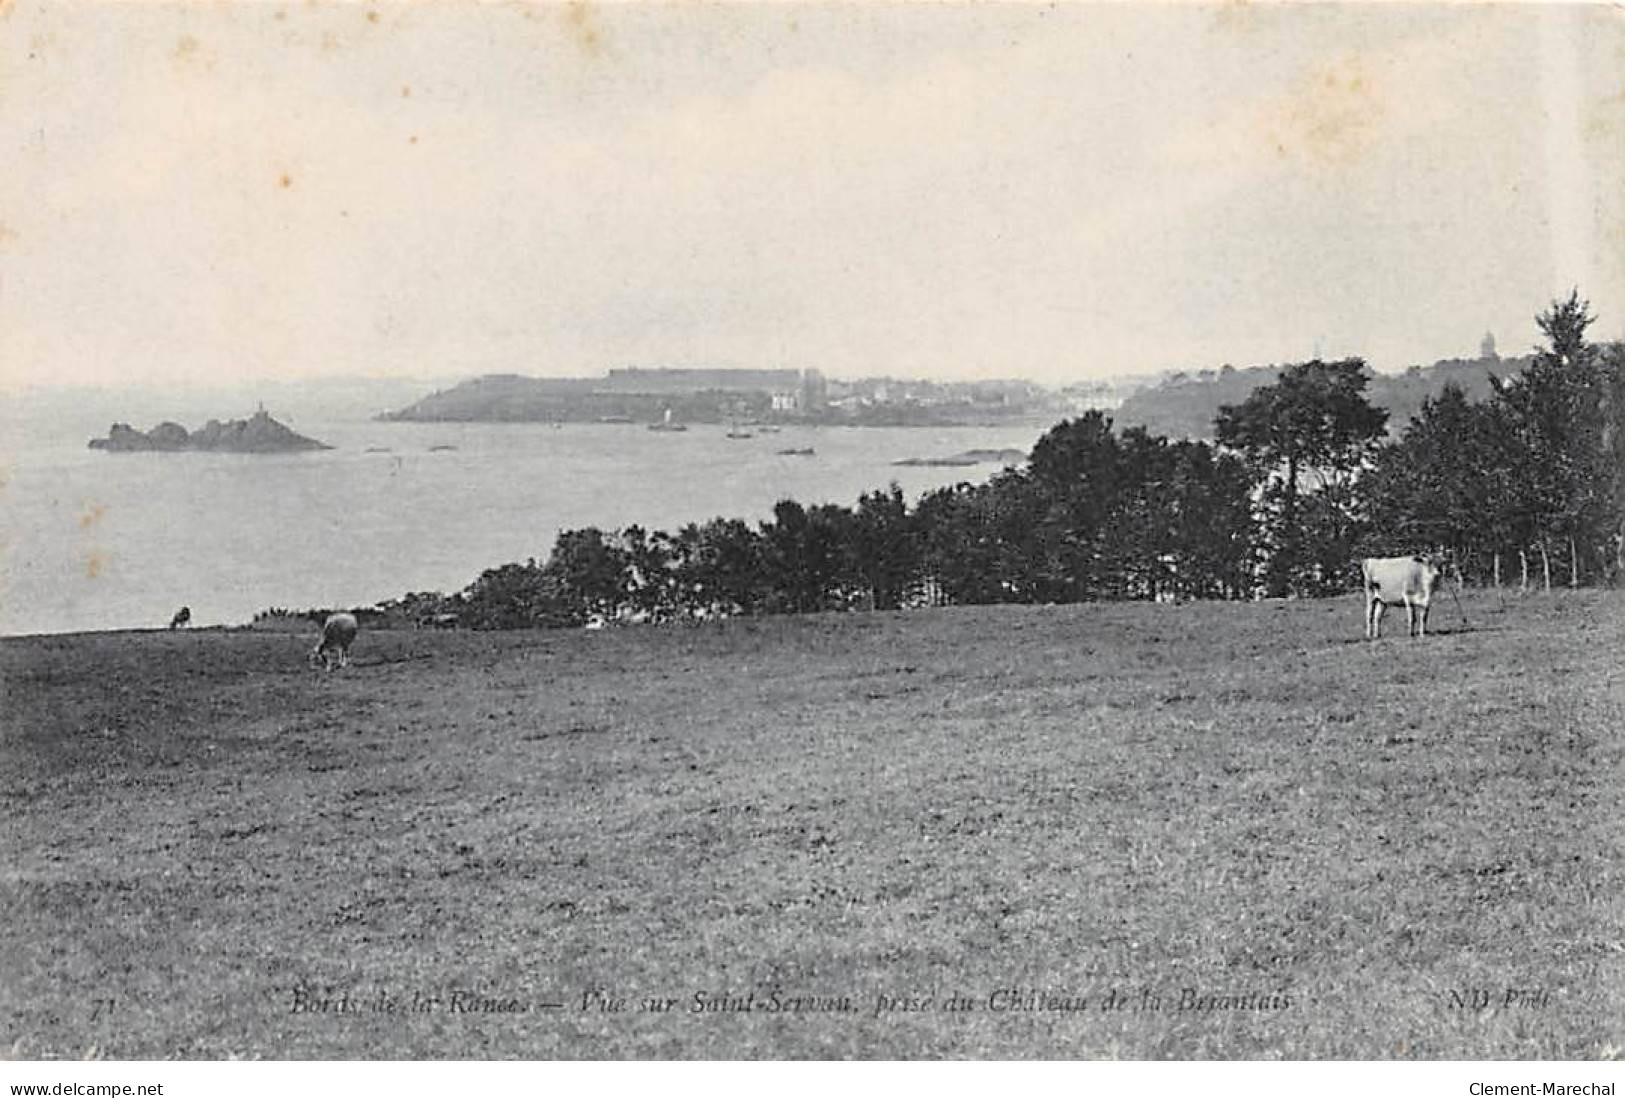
x,y
970,457
259,434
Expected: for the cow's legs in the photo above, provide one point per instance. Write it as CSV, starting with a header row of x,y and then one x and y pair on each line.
x,y
1378,608
1422,620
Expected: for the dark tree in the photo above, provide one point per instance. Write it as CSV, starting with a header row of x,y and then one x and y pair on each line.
x,y
1562,411
1564,325
1077,471
1039,552
802,551
591,575
1314,421
1611,366
719,567
650,572
514,596
960,548
1136,541
1209,497
883,546
1452,480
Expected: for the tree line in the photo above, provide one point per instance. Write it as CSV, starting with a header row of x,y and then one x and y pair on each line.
x,y
1301,481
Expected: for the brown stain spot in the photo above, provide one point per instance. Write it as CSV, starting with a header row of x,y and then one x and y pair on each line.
x,y
189,52
284,181
8,235
372,17
581,21
1330,120
413,140
93,514
95,562
45,44
406,91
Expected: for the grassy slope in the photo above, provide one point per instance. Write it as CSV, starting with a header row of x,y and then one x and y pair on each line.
x,y
1229,798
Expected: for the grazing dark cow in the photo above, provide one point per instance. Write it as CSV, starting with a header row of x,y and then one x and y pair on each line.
x,y
338,633
183,616
1398,581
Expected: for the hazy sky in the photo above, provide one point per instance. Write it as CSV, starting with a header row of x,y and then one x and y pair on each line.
x,y
214,191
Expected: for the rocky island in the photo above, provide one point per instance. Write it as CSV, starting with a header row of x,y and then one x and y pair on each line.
x,y
259,434
1007,456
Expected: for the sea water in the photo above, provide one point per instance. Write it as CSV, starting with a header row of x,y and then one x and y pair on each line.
x,y
96,540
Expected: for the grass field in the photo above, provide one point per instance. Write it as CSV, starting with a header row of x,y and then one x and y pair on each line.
x,y
1204,831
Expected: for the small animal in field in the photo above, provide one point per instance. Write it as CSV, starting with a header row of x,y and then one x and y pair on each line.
x,y
182,617
333,649
1398,581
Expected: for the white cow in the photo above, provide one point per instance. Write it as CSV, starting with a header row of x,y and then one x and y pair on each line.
x,y
338,633
1398,581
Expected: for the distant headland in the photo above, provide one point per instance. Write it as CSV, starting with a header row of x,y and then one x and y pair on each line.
x,y
259,434
672,398
1176,404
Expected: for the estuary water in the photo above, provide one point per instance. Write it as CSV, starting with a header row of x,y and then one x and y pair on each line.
x,y
92,540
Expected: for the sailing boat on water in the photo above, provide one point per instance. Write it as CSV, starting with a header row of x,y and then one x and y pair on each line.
x,y
733,426
666,424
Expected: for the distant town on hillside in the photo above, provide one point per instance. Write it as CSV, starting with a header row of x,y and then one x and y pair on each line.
x,y
1179,404
682,396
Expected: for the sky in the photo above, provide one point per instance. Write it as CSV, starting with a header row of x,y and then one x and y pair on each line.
x,y
203,193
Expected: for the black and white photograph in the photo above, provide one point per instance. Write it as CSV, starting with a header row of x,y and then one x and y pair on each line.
x,y
793,531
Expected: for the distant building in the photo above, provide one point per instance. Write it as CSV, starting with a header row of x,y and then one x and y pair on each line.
x,y
814,390
1486,349
785,389
636,379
